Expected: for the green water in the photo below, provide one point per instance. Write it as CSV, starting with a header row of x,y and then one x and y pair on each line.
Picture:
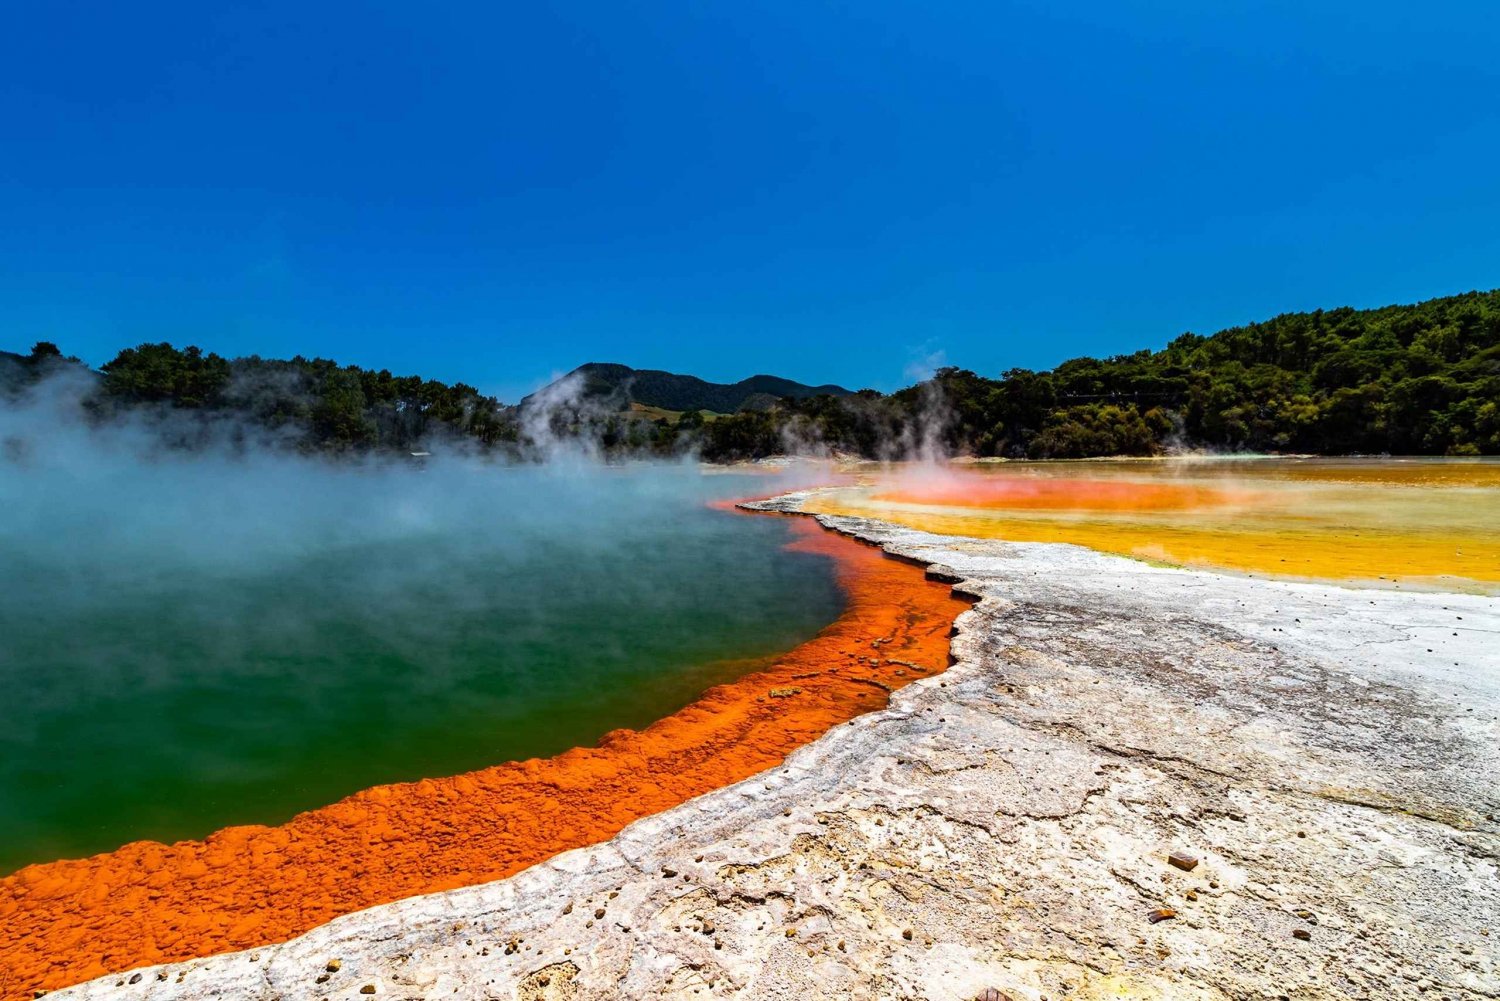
x,y
174,657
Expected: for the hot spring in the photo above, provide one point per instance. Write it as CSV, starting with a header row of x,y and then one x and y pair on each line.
x,y
1393,522
193,642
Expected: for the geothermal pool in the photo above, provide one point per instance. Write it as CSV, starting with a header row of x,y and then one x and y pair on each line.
x,y
194,644
1389,522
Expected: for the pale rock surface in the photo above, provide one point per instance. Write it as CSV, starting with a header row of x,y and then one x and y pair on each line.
x,y
1330,755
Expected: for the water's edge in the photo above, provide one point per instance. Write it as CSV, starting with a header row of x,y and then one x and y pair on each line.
x,y
1007,824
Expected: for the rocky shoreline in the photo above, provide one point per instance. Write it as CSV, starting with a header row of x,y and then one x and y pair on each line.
x,y
1134,781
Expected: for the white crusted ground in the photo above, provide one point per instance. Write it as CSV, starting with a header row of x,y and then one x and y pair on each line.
x,y
1328,754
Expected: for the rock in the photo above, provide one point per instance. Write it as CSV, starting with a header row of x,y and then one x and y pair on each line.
x,y
1301,933
784,693
1183,861
333,966
367,989
1161,914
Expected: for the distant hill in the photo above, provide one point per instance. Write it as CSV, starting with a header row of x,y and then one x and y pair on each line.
x,y
619,386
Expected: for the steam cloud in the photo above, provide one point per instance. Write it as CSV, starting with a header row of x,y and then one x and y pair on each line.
x,y
128,563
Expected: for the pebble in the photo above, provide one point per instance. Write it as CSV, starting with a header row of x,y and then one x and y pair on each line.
x,y
1161,914
1183,861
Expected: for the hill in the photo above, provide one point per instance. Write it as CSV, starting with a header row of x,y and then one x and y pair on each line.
x,y
616,387
1420,379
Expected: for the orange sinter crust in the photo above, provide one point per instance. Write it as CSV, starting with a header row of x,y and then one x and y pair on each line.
x,y
1063,495
146,903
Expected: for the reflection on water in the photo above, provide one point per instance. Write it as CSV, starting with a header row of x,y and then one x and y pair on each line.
x,y
1403,522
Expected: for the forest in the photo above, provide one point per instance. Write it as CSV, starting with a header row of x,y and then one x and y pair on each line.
x,y
190,397
1419,379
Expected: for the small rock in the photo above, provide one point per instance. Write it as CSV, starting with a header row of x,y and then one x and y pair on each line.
x,y
906,934
135,979
333,966
1301,933
1183,861
1161,914
991,994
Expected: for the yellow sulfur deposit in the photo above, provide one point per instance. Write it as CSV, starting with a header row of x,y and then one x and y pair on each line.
x,y
1397,522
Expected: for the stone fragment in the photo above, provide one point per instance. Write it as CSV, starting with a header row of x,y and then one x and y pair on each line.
x,y
1183,861
1161,914
1301,933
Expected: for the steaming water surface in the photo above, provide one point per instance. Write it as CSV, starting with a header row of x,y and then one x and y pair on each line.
x,y
186,644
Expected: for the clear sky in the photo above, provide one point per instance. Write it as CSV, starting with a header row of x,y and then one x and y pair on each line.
x,y
834,192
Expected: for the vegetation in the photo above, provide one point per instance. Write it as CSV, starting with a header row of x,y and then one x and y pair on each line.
x,y
623,386
1420,379
308,404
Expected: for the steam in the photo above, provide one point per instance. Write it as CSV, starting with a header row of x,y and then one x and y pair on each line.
x,y
143,579
552,418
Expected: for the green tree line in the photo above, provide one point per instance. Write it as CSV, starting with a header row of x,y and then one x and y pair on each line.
x,y
1419,379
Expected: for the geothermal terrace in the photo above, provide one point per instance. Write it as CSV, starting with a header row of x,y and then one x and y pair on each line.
x,y
1133,781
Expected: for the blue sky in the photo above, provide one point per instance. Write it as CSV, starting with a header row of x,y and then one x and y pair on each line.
x,y
835,192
